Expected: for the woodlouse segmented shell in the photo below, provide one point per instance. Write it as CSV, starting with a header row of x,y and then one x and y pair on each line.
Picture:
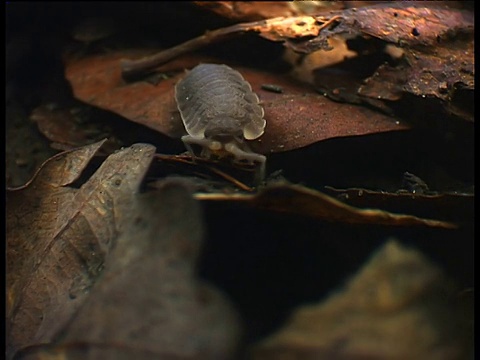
x,y
217,100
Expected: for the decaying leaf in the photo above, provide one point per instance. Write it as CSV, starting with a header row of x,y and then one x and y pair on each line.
x,y
148,303
58,237
297,117
296,199
398,306
437,44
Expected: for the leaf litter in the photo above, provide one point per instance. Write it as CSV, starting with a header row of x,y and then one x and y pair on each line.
x,y
436,43
58,237
78,308
148,303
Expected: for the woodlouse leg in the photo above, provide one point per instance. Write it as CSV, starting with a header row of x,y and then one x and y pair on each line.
x,y
188,140
249,156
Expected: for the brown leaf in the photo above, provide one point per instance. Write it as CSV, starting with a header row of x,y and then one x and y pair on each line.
x,y
405,24
59,126
296,199
398,306
57,237
297,117
97,80
387,83
148,303
453,207
437,43
66,127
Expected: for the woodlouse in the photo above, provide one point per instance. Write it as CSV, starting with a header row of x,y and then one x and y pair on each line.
x,y
219,111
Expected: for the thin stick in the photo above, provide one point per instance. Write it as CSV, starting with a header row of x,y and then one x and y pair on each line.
x,y
187,159
175,158
230,178
133,68
276,29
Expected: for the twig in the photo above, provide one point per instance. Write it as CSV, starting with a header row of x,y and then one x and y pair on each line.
x,y
230,178
187,159
276,29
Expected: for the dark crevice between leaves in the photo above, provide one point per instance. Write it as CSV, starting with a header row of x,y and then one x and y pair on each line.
x,y
246,255
378,162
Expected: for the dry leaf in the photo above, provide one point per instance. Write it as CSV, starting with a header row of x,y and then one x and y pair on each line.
x,y
58,236
148,303
296,199
297,117
67,127
398,306
458,208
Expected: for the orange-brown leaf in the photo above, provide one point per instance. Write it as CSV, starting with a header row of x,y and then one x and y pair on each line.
x,y
297,117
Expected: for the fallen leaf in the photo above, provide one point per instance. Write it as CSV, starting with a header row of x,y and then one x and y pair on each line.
x,y
458,208
296,199
97,80
437,45
398,306
386,84
297,117
66,127
148,303
58,237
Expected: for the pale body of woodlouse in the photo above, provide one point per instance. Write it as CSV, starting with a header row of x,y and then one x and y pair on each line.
x,y
219,111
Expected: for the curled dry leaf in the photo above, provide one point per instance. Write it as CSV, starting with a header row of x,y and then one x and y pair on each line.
x,y
148,303
296,199
458,208
297,117
398,306
437,45
58,237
